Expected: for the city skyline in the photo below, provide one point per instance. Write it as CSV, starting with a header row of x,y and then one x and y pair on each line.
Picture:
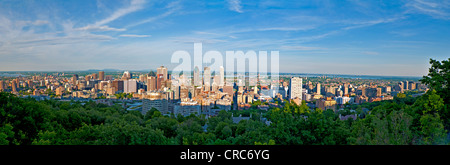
x,y
381,38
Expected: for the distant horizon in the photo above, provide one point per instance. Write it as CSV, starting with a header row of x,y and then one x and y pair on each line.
x,y
281,73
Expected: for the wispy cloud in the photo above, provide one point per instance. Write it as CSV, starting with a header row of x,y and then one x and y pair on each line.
x,y
235,5
301,48
134,36
434,8
172,8
361,24
134,6
370,53
99,28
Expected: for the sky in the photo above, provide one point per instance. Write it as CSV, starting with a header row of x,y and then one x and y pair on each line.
x,y
358,37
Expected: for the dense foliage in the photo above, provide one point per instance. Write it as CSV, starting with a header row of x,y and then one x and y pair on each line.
x,y
399,121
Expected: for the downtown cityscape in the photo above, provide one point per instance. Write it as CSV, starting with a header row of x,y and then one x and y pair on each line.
x,y
224,80
157,89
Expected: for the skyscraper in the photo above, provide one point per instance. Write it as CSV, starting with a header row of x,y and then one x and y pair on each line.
x,y
295,87
2,86
222,77
197,80
162,70
159,81
118,85
207,78
151,83
14,86
130,86
318,88
405,85
126,75
94,76
101,75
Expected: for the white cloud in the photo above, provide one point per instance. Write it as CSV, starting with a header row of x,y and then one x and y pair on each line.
x,y
134,6
301,48
173,7
135,35
99,28
370,53
235,5
433,8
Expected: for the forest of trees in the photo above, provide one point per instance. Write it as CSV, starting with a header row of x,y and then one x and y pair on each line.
x,y
402,121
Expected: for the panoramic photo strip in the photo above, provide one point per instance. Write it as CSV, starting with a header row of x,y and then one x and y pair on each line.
x,y
251,80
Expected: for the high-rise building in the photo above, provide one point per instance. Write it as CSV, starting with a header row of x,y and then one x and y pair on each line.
x,y
363,91
2,85
197,79
94,76
405,85
318,88
207,78
101,75
14,86
412,85
126,75
130,86
156,100
118,85
159,81
162,70
87,77
151,83
295,87
222,76
346,86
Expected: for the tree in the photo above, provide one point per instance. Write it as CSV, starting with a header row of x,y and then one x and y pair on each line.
x,y
438,78
432,129
6,134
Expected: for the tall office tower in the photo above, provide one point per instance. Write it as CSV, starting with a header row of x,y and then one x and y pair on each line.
x,y
108,77
388,89
30,83
143,78
159,81
2,86
126,75
318,88
94,76
378,92
87,78
162,70
405,87
197,79
118,85
207,78
101,75
74,79
412,85
346,88
130,86
222,76
363,91
14,86
295,87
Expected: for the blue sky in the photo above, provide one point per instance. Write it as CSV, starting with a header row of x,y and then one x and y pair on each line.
x,y
367,37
